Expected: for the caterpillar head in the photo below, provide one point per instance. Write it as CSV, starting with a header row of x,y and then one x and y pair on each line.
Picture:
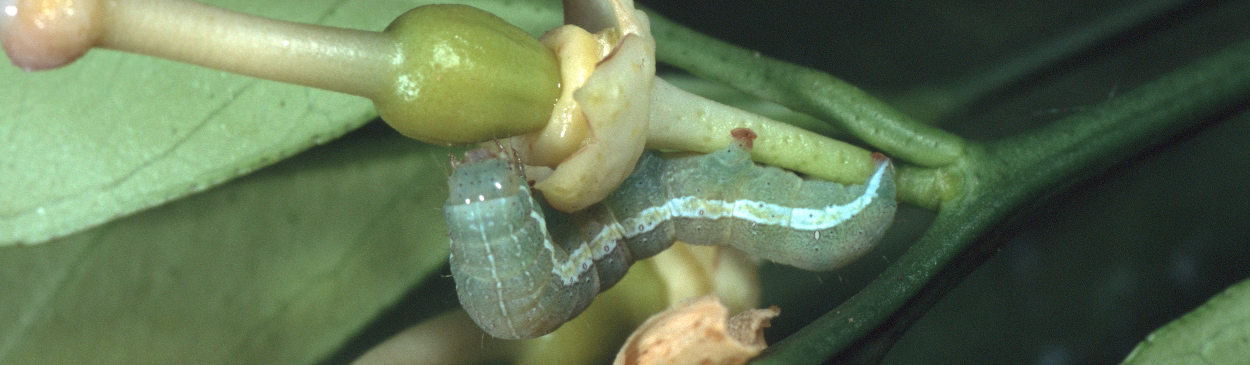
x,y
485,174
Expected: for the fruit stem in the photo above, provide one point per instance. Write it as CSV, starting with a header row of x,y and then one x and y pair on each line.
x,y
43,34
343,60
424,73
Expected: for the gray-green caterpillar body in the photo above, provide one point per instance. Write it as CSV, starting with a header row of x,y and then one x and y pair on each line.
x,y
518,278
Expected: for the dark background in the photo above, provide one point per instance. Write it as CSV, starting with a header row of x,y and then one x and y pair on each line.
x,y
1095,269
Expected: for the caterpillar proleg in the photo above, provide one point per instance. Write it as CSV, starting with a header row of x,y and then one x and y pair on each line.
x,y
521,272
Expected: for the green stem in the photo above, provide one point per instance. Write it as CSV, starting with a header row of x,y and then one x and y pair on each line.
x,y
1006,175
808,91
1099,36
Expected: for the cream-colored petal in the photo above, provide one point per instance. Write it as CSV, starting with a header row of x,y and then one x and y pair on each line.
x,y
578,52
598,128
689,271
697,332
616,102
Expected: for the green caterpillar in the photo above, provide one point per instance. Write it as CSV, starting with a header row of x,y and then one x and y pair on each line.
x,y
518,278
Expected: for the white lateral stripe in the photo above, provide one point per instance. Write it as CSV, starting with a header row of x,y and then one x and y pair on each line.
x,y
583,257
805,219
605,241
579,260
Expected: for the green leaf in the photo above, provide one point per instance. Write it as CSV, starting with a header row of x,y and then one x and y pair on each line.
x,y
116,133
278,267
1218,332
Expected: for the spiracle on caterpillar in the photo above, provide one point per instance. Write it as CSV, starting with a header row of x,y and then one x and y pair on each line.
x,y
521,270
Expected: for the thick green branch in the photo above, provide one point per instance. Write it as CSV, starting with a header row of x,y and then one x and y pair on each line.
x,y
1099,36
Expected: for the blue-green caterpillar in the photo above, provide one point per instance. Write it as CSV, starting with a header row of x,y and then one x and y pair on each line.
x,y
518,278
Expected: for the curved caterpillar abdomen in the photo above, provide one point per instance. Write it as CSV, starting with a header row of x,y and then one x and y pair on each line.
x,y
517,281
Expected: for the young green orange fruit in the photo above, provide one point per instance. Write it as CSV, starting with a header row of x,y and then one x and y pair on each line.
x,y
465,75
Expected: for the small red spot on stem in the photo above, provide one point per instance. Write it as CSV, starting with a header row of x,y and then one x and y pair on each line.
x,y
744,137
879,158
